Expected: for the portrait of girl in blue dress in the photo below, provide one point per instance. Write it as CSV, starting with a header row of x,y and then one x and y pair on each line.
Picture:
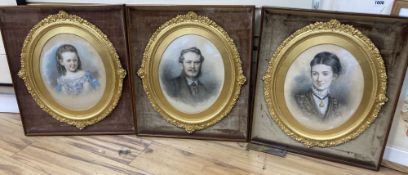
x,y
73,81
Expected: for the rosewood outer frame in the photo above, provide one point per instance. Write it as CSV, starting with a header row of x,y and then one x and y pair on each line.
x,y
16,22
142,22
364,23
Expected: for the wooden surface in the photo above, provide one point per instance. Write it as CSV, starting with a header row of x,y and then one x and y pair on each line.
x,y
395,166
129,154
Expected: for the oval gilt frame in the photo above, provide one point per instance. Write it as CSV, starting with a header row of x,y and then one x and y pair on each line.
x,y
64,23
192,24
375,82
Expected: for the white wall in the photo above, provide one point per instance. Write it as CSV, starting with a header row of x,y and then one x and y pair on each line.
x,y
8,102
7,2
5,77
361,6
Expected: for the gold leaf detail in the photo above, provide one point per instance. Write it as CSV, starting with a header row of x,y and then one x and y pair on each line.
x,y
141,73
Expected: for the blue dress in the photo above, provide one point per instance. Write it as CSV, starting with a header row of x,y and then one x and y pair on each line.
x,y
76,86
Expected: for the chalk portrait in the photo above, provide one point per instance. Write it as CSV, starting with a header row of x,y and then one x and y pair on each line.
x,y
324,87
191,73
73,71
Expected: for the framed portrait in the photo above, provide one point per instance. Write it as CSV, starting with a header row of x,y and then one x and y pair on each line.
x,y
69,67
396,150
323,88
317,80
191,74
400,8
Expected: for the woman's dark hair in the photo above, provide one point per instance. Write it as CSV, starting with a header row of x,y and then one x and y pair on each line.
x,y
62,49
192,49
327,59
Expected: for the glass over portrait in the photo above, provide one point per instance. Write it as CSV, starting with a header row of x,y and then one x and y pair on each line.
x,y
191,73
73,72
324,87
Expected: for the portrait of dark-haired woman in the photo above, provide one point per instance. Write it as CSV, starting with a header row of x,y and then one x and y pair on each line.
x,y
317,102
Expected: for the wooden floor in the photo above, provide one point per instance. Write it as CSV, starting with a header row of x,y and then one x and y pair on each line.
x,y
128,154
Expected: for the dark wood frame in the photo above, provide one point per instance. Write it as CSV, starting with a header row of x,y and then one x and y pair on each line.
x,y
162,14
398,4
21,2
110,20
263,145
